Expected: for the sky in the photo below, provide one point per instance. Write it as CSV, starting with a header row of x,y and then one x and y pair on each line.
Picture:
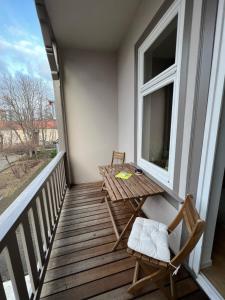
x,y
21,44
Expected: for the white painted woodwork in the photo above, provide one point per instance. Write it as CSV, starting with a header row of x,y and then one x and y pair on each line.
x,y
35,212
170,75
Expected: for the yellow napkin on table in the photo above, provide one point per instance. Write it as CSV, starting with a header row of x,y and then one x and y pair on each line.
x,y
123,175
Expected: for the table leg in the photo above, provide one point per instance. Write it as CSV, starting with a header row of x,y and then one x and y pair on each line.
x,y
142,201
112,218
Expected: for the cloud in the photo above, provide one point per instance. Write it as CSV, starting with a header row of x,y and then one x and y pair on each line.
x,y
23,52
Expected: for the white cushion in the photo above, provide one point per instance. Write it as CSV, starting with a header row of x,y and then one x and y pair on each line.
x,y
150,238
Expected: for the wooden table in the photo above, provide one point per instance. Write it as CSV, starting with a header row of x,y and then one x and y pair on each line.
x,y
134,190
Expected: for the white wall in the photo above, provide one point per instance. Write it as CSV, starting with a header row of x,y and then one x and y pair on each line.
x,y
126,84
90,88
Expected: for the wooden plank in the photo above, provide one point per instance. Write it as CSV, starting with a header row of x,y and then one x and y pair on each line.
x,y
83,193
86,276
85,244
53,188
87,290
130,187
82,266
42,218
57,186
99,218
37,233
112,218
109,190
89,208
2,290
84,199
149,291
50,197
94,215
125,188
81,207
86,185
64,177
139,188
54,177
74,232
15,268
79,210
82,237
113,187
81,255
77,204
29,253
119,187
83,214
146,180
61,177
89,223
47,209
156,189
122,293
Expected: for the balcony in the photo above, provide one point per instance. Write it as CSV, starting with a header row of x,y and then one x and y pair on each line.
x,y
67,240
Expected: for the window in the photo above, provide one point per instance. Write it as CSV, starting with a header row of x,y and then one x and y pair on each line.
x,y
159,59
161,54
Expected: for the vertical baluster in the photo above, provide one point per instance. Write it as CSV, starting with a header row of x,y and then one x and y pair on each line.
x,y
52,195
58,183
43,219
15,268
29,252
56,188
49,206
2,291
55,193
64,176
60,179
47,210
37,233
50,200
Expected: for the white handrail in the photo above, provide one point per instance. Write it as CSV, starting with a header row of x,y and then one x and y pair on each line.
x,y
10,216
41,202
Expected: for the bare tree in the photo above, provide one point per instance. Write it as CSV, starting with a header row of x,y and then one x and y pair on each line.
x,y
26,101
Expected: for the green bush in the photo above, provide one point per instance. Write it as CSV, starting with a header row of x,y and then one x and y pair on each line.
x,y
53,153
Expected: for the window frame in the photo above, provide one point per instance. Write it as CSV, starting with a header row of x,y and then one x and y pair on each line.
x,y
170,75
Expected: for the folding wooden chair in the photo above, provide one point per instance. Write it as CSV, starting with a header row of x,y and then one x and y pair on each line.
x,y
166,266
119,157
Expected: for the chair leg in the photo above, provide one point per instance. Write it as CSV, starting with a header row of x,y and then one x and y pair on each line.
x,y
102,189
172,288
136,272
103,185
142,282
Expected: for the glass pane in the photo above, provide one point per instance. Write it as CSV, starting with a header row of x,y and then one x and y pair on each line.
x,y
157,111
161,54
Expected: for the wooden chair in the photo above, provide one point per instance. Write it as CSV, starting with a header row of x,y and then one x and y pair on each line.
x,y
195,227
119,156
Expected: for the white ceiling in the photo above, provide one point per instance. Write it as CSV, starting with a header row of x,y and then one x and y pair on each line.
x,y
91,24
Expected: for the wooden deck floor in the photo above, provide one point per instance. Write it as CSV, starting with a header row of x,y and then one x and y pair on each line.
x,y
82,265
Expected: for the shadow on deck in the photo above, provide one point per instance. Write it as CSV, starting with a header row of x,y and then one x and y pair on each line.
x,y
82,265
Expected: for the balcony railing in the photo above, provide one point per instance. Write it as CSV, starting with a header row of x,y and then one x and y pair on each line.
x,y
34,214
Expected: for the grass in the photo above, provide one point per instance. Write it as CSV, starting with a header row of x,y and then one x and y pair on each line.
x,y
11,187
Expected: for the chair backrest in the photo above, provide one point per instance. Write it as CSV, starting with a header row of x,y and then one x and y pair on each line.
x,y
120,156
195,227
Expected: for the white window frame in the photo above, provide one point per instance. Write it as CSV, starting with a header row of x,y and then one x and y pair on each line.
x,y
170,75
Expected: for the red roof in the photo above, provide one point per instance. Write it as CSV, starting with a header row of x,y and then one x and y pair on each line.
x,y
39,124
